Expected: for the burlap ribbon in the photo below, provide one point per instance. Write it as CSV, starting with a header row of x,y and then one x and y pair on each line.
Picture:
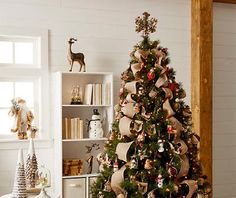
x,y
168,92
131,87
135,68
183,148
124,126
122,150
168,108
161,81
159,54
192,185
184,166
129,98
128,110
177,125
116,179
139,54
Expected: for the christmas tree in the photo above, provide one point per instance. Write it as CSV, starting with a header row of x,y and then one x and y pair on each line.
x,y
19,189
31,166
152,151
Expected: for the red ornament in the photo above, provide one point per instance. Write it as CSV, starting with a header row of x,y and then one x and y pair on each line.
x,y
169,129
151,75
115,166
173,86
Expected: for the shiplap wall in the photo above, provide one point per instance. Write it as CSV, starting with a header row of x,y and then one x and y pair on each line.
x,y
105,32
224,101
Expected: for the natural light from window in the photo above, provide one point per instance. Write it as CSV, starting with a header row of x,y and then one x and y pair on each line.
x,y
23,53
19,53
6,52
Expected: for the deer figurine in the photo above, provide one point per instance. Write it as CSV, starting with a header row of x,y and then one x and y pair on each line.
x,y
72,57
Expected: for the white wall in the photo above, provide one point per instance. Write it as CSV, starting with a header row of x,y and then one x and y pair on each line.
x,y
224,101
105,32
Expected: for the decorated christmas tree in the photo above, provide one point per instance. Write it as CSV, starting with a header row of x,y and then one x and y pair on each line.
x,y
152,151
19,189
31,166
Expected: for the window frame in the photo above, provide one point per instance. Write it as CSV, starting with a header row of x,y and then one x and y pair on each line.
x,y
29,39
40,75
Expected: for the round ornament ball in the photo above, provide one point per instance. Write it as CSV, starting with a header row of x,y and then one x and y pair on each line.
x,y
151,75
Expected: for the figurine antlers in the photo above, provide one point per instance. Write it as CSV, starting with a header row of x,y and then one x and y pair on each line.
x,y
73,57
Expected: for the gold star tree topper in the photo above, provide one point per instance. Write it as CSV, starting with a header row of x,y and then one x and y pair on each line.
x,y
145,25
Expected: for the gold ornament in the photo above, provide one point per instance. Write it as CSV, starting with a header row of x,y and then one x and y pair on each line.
x,y
148,164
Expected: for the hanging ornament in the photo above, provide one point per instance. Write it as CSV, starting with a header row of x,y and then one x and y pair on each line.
x,y
151,74
146,115
170,130
112,136
141,137
107,186
176,106
151,194
152,131
172,171
173,86
100,195
136,107
142,187
159,181
148,164
115,166
152,94
134,162
161,146
182,94
141,90
187,112
142,154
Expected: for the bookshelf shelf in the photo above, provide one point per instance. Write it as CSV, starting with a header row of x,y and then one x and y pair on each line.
x,y
80,176
72,139
68,105
83,140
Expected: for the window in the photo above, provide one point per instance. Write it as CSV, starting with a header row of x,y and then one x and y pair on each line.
x,y
19,51
24,74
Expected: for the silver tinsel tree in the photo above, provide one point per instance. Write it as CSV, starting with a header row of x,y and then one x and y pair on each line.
x,y
19,189
31,166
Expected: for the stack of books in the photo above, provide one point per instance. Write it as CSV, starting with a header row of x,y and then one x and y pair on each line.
x,y
97,94
72,167
72,128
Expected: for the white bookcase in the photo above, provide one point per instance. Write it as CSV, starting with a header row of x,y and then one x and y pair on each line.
x,y
62,84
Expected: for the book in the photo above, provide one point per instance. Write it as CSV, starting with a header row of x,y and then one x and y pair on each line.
x,y
103,94
77,127
67,128
94,95
108,93
98,95
81,130
73,128
88,94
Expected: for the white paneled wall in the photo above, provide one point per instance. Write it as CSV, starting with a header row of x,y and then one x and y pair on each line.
x,y
224,101
106,34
